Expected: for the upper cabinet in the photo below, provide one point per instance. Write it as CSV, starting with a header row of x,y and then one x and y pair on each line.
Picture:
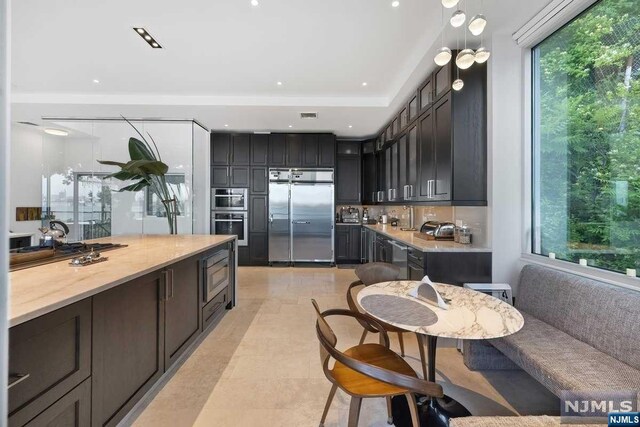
x,y
259,150
348,176
220,149
240,149
294,150
326,150
230,149
277,150
309,150
435,149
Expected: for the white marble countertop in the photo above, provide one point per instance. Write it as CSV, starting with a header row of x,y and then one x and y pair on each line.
x,y
39,290
408,238
471,314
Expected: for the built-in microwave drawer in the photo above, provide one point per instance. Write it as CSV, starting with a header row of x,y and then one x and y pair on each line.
x,y
48,357
415,256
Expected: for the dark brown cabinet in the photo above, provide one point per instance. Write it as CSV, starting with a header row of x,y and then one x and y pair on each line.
x,y
259,150
128,346
326,150
441,175
259,248
48,357
348,243
277,150
443,78
73,410
369,178
258,210
348,179
426,94
309,150
220,149
427,148
182,308
294,150
219,176
239,176
240,149
259,181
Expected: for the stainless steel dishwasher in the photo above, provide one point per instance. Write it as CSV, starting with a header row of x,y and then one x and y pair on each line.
x,y
399,258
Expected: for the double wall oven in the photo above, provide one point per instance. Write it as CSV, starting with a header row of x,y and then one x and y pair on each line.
x,y
229,213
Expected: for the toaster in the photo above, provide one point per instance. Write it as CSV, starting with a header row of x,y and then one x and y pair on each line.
x,y
435,230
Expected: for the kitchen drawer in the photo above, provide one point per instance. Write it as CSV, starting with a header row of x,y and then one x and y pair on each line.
x,y
54,350
73,410
415,256
212,310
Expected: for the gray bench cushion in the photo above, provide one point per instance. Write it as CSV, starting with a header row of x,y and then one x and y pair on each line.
x,y
531,421
561,362
606,317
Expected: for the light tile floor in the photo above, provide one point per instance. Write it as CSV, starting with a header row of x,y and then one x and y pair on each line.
x,y
260,366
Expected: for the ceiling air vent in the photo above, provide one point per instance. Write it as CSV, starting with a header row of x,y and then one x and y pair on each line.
x,y
28,123
308,115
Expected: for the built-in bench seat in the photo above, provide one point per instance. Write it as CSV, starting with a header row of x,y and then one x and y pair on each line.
x,y
578,334
531,421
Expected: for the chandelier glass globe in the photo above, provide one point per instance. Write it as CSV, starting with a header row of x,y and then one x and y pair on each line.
x,y
477,24
482,55
457,84
465,59
450,3
458,18
443,56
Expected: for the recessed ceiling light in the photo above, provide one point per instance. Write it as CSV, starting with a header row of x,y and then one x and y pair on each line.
x,y
147,37
364,83
395,3
96,81
254,3
226,125
290,126
279,83
56,132
350,126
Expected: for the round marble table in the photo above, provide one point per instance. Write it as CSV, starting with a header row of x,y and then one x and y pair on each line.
x,y
471,315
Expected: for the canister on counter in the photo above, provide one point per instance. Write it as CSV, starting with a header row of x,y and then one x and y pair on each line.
x,y
464,235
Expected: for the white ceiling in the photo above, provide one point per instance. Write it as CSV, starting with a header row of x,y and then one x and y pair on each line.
x,y
222,58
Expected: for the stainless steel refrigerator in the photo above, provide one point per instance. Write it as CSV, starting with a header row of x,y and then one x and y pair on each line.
x,y
301,215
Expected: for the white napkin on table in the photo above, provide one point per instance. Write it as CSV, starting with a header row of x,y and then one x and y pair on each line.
x,y
426,291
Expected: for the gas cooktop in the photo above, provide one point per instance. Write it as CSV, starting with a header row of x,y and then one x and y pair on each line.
x,y
32,256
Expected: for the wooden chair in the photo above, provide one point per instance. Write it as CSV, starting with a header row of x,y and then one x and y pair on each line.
x,y
376,272
368,370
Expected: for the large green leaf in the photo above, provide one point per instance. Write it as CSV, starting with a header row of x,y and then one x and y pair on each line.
x,y
123,175
112,163
138,150
146,167
135,186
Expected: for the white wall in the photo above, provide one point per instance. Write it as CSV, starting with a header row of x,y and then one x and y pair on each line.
x,y
25,176
505,137
5,133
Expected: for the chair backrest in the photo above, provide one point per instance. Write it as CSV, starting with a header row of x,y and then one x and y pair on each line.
x,y
324,330
376,272
328,349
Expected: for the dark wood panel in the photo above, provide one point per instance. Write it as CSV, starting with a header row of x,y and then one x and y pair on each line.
x,y
326,151
239,176
260,150
443,80
348,179
220,149
369,178
240,149
258,212
414,272
458,268
214,309
310,150
355,242
259,181
427,154
342,238
128,346
259,248
277,150
294,150
349,148
182,309
244,256
73,410
55,351
219,176
443,134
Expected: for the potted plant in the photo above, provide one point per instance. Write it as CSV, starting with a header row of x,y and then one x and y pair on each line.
x,y
148,170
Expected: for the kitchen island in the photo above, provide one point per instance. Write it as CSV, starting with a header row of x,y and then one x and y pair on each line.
x,y
87,342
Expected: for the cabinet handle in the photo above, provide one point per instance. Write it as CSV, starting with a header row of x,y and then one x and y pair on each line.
x,y
15,379
411,191
171,287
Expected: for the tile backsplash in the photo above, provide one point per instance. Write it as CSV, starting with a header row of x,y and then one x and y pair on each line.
x,y
476,218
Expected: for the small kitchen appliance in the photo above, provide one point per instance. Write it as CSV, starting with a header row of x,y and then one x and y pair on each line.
x,y
434,230
351,215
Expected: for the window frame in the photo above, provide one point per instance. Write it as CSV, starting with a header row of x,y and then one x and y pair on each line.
x,y
545,30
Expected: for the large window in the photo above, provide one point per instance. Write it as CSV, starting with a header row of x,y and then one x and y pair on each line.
x,y
586,139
